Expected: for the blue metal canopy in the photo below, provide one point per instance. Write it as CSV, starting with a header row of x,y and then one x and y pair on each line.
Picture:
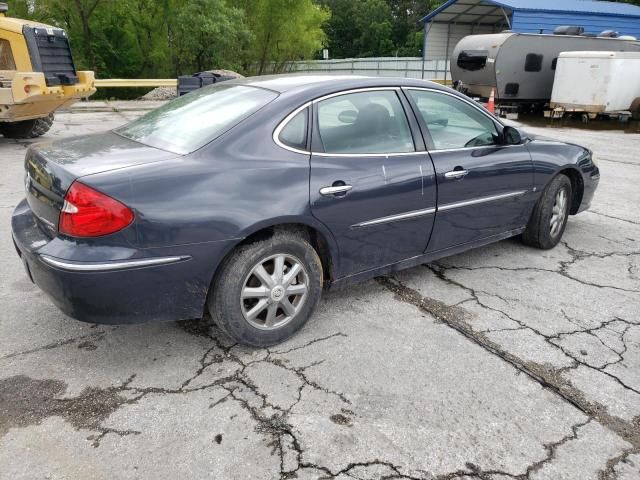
x,y
470,8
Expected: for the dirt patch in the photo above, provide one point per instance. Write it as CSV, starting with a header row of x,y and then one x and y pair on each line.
x,y
87,346
26,401
201,327
340,419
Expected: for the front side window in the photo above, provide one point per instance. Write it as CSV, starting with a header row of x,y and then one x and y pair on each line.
x,y
453,123
364,123
6,56
294,134
191,121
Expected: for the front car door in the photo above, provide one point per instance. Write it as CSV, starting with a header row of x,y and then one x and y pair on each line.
x,y
484,185
371,182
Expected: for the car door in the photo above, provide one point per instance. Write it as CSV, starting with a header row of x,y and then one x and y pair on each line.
x,y
484,186
369,182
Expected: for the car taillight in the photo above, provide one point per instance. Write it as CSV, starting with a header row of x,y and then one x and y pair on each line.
x,y
89,213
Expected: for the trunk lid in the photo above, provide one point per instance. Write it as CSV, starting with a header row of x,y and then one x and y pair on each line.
x,y
52,167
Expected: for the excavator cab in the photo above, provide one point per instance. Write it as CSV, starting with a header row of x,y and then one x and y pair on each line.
x,y
37,76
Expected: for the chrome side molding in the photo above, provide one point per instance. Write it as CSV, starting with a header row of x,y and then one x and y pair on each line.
x,y
443,208
109,266
396,218
475,201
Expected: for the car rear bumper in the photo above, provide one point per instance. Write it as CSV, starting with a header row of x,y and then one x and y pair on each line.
x,y
159,285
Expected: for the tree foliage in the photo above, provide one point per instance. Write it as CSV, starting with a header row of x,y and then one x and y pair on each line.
x,y
361,28
165,38
283,30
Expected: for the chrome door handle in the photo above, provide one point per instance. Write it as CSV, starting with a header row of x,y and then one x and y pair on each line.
x,y
456,174
327,191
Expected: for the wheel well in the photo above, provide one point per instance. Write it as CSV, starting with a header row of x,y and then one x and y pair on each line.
x,y
577,187
313,236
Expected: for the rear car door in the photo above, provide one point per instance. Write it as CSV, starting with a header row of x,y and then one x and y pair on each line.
x,y
484,186
370,183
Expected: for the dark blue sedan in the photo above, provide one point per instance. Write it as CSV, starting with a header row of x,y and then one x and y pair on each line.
x,y
247,198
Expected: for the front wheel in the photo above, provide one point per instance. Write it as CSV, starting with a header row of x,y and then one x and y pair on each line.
x,y
549,217
267,290
27,128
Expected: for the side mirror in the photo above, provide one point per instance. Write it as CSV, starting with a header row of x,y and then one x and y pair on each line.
x,y
348,116
511,136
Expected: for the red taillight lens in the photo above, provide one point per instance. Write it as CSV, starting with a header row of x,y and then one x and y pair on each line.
x,y
89,213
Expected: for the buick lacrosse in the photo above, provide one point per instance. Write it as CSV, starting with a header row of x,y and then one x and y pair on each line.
x,y
247,198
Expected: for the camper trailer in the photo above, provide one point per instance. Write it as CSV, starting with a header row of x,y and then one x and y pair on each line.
x,y
520,67
597,83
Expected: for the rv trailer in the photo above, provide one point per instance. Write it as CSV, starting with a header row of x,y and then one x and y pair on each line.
x,y
520,67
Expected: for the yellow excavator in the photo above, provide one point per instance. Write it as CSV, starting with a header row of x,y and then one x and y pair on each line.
x,y
37,76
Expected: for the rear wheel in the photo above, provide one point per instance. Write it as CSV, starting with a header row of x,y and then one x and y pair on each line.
x,y
27,128
267,290
549,217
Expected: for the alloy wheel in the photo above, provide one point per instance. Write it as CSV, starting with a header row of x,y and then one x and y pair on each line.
x,y
274,291
559,212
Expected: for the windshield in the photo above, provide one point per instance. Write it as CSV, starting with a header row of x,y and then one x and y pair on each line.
x,y
191,121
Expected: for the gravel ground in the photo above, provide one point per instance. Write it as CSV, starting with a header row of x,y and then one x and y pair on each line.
x,y
504,362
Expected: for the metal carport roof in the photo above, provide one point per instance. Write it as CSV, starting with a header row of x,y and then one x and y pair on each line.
x,y
489,12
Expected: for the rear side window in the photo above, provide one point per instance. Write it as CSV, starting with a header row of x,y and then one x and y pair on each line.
x,y
364,123
193,120
533,62
554,64
6,56
294,133
472,59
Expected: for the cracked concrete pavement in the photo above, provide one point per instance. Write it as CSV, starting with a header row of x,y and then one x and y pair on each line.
x,y
501,363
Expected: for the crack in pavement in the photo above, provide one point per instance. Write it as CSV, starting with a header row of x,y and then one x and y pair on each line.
x,y
440,272
576,255
272,419
612,217
37,399
548,377
94,336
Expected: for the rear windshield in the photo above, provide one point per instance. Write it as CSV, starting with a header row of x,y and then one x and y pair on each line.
x,y
191,121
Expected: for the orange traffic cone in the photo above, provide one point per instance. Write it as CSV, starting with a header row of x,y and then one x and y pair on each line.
x,y
491,106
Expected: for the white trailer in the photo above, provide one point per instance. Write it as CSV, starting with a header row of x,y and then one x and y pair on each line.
x,y
596,83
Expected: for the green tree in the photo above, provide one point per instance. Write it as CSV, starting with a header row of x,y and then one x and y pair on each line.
x,y
374,24
340,29
283,30
207,34
360,28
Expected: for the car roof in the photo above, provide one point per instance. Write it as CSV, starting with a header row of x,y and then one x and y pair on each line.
x,y
320,83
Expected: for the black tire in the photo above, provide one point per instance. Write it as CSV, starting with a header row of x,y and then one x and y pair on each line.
x,y
27,128
539,232
228,310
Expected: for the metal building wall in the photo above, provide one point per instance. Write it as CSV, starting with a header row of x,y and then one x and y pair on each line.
x,y
442,38
533,21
